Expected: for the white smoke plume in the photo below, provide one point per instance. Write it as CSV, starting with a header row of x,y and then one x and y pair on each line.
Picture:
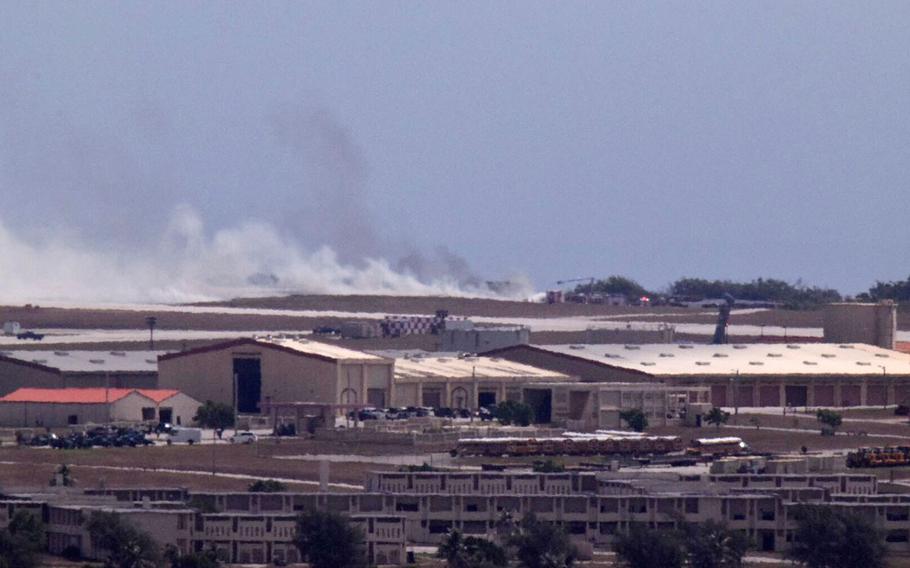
x,y
252,259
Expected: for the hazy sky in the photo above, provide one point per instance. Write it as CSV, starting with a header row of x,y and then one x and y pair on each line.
x,y
563,139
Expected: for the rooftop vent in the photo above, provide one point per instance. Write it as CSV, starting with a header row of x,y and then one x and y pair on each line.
x,y
96,361
829,355
845,346
756,362
810,362
720,355
703,363
791,346
576,347
739,347
61,353
775,355
667,355
864,363
648,363
882,355
684,346
151,361
118,353
633,347
612,356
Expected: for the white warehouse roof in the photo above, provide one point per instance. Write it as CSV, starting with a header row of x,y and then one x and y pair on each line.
x,y
439,365
746,359
88,361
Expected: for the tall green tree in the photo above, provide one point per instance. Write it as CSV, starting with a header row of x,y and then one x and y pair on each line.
x,y
713,545
215,415
22,541
696,545
647,548
124,545
205,559
792,296
717,416
328,540
615,285
635,418
898,290
471,552
514,412
267,486
828,537
829,419
542,545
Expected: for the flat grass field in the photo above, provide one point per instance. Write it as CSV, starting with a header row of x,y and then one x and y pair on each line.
x,y
25,467
187,466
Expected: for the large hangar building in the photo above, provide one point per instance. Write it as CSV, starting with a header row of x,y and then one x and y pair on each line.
x,y
249,373
78,369
456,380
740,375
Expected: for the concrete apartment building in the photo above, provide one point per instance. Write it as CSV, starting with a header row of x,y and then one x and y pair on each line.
x,y
740,375
64,369
419,508
247,373
53,408
457,380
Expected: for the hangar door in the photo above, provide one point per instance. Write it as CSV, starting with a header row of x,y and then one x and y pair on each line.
x,y
248,382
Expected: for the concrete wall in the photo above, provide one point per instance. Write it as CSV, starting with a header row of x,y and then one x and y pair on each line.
x,y
875,324
112,380
479,340
16,375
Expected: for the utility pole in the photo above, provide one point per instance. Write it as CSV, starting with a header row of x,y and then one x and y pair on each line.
x,y
151,321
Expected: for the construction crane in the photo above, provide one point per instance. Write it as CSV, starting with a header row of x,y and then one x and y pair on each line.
x,y
723,319
590,280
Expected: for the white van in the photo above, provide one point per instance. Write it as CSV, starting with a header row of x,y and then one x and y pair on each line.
x,y
184,436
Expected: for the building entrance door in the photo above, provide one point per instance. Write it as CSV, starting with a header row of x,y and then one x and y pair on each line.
x,y
248,382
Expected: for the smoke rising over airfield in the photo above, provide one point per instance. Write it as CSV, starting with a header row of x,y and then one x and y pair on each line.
x,y
113,232
188,265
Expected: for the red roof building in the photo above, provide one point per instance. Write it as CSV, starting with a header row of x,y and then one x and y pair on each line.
x,y
29,407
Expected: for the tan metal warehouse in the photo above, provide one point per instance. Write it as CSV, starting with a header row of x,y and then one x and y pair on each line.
x,y
52,408
455,380
741,375
249,373
63,369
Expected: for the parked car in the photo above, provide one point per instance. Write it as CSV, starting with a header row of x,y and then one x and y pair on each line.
x,y
244,438
30,335
185,436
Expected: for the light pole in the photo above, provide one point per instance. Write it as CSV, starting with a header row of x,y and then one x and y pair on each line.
x,y
735,381
885,377
151,321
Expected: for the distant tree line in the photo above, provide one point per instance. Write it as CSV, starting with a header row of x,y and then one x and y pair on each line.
x,y
790,296
898,290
